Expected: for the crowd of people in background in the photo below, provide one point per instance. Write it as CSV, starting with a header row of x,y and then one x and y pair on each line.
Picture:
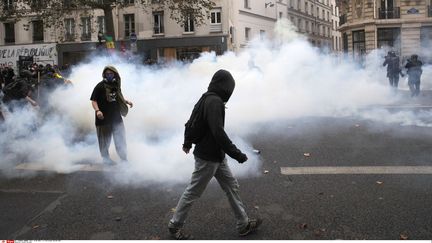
x,y
29,85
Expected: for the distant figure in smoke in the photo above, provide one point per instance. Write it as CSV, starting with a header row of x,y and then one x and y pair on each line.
x,y
393,68
414,72
110,105
210,160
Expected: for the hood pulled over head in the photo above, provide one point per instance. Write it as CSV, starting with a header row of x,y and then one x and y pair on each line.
x,y
114,70
222,83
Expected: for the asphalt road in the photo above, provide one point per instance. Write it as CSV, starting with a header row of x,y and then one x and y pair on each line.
x,y
86,205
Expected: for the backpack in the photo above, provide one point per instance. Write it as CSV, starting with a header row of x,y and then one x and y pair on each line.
x,y
17,89
195,127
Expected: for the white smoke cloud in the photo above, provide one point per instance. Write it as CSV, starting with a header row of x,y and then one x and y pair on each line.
x,y
275,81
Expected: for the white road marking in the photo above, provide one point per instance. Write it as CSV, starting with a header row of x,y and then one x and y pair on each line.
x,y
407,106
42,167
331,170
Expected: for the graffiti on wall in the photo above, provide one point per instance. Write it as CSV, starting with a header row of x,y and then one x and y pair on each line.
x,y
42,53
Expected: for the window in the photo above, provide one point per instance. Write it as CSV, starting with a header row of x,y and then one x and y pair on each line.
x,y
299,24
101,24
37,4
280,15
8,4
130,2
70,29
38,31
389,37
158,24
345,42
359,44
299,4
293,21
85,28
215,16
262,34
389,10
387,4
323,14
426,40
306,8
9,32
291,4
189,24
247,33
246,4
328,16
307,26
215,20
317,12
129,21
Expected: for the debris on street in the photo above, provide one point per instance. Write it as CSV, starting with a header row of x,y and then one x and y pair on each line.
x,y
319,232
303,226
403,236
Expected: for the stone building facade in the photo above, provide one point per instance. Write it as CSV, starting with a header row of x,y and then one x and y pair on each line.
x,y
232,24
404,26
317,19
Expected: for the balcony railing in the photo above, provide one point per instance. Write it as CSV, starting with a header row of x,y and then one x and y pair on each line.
x,y
215,27
9,40
429,11
342,19
158,30
389,13
69,37
85,36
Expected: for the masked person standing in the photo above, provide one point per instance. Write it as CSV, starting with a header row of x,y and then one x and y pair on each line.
x,y
110,105
210,160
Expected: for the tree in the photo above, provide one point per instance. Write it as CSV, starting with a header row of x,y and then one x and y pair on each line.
x,y
51,11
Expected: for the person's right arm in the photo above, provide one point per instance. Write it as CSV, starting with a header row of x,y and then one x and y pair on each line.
x,y
215,115
99,113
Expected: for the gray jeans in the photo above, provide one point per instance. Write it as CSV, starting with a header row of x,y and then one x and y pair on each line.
x,y
203,173
104,134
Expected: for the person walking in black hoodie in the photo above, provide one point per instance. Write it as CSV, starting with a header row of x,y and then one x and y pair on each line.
x,y
210,160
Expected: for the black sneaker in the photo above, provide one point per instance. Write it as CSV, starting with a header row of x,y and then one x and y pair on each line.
x,y
251,227
178,234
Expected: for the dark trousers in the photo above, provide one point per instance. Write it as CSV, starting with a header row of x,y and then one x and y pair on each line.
x,y
394,80
104,134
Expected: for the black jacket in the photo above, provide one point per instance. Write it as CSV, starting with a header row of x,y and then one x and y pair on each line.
x,y
216,143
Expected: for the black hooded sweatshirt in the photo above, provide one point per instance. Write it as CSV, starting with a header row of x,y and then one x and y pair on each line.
x,y
216,143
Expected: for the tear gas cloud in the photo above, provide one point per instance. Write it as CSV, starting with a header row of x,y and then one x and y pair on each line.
x,y
276,80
